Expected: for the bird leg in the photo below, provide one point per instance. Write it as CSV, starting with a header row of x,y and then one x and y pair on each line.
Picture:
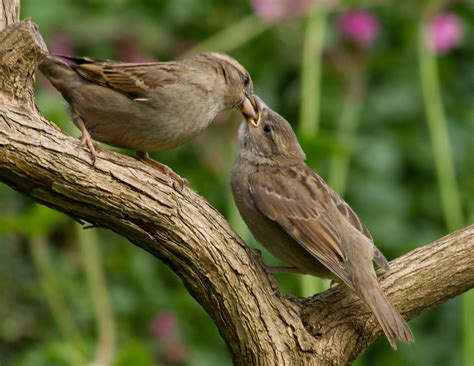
x,y
86,138
143,156
273,283
270,269
284,270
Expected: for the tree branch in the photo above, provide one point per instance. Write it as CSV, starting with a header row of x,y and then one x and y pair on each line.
x,y
9,12
183,230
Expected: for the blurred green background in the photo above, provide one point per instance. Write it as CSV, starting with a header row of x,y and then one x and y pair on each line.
x,y
383,115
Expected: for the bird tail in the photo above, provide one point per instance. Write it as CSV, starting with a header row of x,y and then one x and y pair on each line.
x,y
392,323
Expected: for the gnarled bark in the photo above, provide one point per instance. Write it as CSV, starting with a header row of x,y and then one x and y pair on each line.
x,y
182,229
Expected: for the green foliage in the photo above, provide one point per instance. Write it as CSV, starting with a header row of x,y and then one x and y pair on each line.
x,y
391,178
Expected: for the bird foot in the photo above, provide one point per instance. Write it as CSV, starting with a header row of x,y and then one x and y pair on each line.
x,y
86,140
273,283
165,170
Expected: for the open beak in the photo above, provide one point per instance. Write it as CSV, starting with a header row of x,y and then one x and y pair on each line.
x,y
252,109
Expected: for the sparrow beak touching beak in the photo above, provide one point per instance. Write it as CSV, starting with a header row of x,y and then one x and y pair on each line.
x,y
251,109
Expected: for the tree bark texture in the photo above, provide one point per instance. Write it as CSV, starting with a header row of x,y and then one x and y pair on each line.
x,y
259,325
9,12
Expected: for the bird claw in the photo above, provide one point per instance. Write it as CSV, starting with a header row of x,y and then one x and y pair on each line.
x,y
182,182
179,183
86,138
91,144
273,283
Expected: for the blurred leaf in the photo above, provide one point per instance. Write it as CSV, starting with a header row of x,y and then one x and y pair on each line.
x,y
37,220
134,354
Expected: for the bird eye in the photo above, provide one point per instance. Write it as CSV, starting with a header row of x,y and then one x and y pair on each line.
x,y
246,80
267,129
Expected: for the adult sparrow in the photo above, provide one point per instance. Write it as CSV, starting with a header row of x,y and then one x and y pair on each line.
x,y
300,219
149,106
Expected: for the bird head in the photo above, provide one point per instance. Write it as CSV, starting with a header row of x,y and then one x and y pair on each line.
x,y
271,137
238,85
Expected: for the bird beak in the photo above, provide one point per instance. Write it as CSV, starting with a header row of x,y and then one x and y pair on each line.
x,y
252,109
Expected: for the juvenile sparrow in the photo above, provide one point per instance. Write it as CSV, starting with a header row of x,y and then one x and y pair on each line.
x,y
149,106
300,219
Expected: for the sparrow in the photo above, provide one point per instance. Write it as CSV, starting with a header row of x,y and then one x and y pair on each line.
x,y
301,220
151,106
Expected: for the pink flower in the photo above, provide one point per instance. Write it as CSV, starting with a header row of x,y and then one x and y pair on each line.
x,y
360,27
444,33
163,325
276,9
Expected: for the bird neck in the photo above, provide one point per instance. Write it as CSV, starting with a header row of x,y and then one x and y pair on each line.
x,y
258,159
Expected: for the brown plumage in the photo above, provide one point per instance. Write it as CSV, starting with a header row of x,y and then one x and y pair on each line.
x,y
149,106
300,219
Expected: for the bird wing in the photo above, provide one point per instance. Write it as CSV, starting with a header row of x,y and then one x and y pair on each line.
x,y
135,80
356,222
297,202
348,213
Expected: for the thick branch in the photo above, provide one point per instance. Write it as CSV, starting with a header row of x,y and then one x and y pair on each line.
x,y
182,229
9,12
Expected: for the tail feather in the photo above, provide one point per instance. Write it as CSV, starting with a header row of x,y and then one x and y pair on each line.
x,y
392,323
380,259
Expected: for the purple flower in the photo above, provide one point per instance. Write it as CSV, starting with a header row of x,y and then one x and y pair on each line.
x,y
360,27
444,33
276,9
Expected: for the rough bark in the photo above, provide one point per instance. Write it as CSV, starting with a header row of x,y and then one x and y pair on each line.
x,y
9,12
261,327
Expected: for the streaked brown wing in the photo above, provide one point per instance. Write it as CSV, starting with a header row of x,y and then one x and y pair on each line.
x,y
292,200
132,79
353,219
343,207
